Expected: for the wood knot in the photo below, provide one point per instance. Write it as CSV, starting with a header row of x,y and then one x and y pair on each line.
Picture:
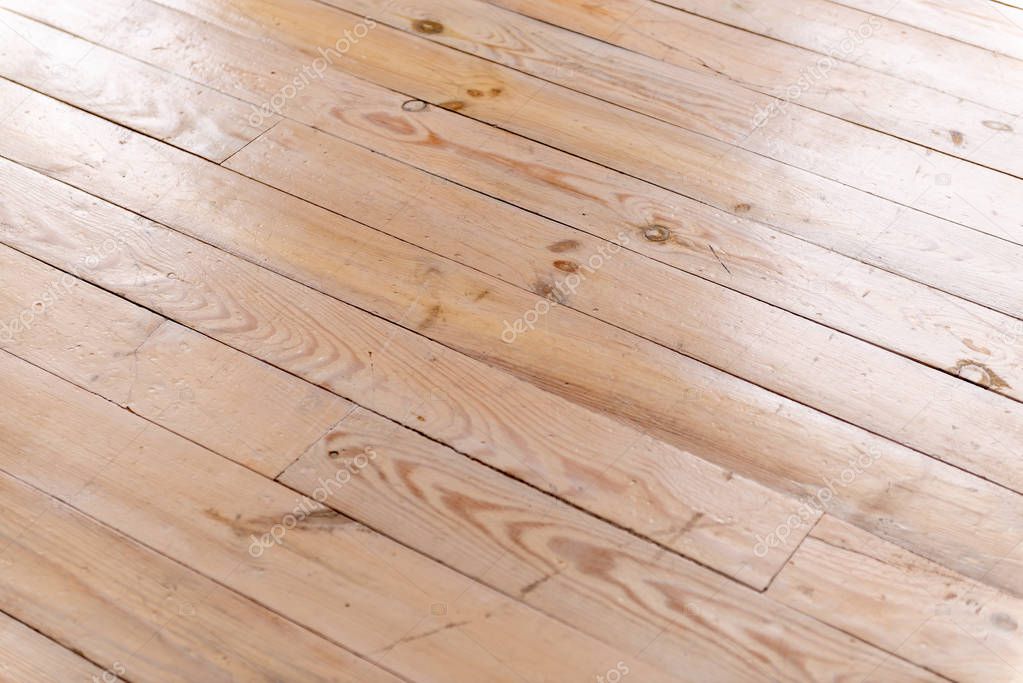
x,y
656,233
427,26
742,208
452,105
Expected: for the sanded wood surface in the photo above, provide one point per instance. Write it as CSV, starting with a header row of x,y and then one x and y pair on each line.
x,y
462,340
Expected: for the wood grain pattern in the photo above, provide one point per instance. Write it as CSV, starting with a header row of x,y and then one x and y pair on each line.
x,y
858,382
705,432
122,603
243,409
873,230
799,77
995,26
715,107
897,49
842,293
670,612
956,627
490,340
409,614
26,655
187,115
591,460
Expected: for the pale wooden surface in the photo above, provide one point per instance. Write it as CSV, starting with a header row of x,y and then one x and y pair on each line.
x,y
263,419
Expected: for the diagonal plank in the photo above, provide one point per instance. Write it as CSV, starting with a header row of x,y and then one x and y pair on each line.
x,y
29,656
855,381
183,114
871,229
991,25
798,78
127,604
674,614
254,414
663,608
905,604
576,356
592,461
382,600
886,46
528,445
715,107
898,314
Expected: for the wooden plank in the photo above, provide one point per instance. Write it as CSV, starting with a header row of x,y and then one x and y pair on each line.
x,y
30,657
991,25
549,443
829,214
102,594
714,106
905,604
186,115
672,613
798,77
384,495
591,460
917,56
253,413
852,380
353,586
813,282
568,353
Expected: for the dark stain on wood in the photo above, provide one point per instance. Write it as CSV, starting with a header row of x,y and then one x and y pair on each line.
x,y
998,125
427,26
742,208
957,138
452,105
566,266
563,246
979,373
431,316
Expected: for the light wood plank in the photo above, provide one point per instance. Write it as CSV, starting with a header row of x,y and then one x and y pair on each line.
x,y
855,381
798,77
905,604
871,229
714,106
593,461
116,601
668,611
917,56
30,657
187,115
530,444
813,282
992,25
380,599
252,412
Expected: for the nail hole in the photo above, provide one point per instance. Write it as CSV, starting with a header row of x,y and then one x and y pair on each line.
x,y
413,105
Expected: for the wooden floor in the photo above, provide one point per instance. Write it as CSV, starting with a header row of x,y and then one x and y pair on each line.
x,y
449,341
